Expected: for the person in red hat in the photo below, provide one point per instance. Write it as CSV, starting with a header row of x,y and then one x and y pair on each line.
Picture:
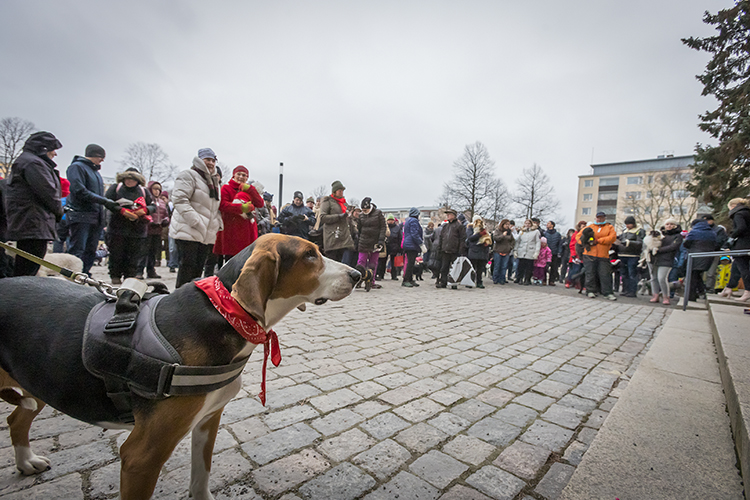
x,y
240,228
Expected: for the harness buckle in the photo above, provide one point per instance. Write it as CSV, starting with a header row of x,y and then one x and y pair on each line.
x,y
121,323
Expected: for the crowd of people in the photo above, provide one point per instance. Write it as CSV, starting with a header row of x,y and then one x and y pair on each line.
x,y
203,223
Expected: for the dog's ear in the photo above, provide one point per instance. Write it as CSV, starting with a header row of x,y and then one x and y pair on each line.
x,y
256,282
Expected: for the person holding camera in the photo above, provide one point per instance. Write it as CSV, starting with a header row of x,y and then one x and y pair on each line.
x,y
739,239
296,219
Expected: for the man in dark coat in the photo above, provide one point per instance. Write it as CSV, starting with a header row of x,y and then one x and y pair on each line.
x,y
86,216
32,199
701,238
371,226
451,243
554,242
297,219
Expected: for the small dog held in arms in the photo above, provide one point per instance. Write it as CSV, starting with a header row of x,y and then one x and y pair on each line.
x,y
587,238
651,243
206,328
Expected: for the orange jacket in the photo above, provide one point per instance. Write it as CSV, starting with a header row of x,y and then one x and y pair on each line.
x,y
605,235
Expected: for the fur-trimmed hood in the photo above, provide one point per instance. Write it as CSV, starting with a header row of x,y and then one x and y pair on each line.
x,y
131,173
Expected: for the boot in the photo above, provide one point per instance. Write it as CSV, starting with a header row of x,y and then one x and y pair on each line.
x,y
745,297
655,298
726,293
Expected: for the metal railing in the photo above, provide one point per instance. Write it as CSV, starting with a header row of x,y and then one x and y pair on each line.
x,y
688,272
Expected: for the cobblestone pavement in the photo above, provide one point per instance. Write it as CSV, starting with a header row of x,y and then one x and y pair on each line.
x,y
396,393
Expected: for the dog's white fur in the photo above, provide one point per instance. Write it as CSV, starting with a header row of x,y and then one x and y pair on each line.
x,y
64,260
651,243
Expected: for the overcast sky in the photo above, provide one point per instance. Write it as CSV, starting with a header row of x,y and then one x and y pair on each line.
x,y
382,95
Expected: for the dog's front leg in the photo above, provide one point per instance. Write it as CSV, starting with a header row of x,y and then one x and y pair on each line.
x,y
201,452
154,437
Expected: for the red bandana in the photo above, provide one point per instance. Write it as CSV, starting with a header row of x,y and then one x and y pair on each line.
x,y
245,325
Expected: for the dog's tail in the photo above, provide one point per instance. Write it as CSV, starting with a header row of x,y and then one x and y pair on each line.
x,y
14,396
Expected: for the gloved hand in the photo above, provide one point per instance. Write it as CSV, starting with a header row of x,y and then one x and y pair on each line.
x,y
112,205
247,207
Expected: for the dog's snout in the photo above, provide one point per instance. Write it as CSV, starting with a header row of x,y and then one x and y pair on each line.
x,y
354,276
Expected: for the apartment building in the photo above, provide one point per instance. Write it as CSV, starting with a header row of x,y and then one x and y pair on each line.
x,y
650,190
426,214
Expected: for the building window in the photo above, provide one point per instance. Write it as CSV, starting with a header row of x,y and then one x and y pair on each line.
x,y
633,195
682,177
588,183
609,181
635,180
611,195
679,211
631,211
650,179
586,211
680,193
588,197
607,210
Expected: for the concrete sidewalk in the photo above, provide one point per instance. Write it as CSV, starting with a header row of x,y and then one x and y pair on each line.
x,y
669,435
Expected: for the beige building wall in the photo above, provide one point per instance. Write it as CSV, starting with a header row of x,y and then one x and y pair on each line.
x,y
650,190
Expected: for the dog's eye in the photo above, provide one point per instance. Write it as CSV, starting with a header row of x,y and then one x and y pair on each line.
x,y
311,254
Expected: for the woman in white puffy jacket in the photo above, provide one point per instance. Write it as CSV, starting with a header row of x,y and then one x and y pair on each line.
x,y
196,218
528,245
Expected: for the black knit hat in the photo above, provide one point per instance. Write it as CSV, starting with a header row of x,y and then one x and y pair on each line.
x,y
366,203
630,220
94,151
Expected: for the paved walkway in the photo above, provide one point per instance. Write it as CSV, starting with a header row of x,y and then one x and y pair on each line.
x,y
397,393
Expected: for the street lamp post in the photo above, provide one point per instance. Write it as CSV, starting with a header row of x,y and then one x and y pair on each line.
x,y
280,199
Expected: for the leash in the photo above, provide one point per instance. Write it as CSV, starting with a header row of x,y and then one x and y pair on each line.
x,y
80,278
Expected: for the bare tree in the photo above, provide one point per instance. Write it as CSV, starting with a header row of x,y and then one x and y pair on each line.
x,y
13,133
320,192
499,204
535,194
474,184
665,195
150,160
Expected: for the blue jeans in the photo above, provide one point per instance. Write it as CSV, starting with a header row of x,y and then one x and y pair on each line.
x,y
629,275
83,242
174,258
501,268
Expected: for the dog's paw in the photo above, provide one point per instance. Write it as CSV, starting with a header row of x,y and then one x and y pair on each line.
x,y
29,463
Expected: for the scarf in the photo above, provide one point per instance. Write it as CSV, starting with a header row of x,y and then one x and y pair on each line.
x,y
213,186
243,323
341,202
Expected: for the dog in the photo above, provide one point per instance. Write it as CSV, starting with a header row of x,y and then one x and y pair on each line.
x,y
588,238
651,243
419,268
41,336
367,277
64,260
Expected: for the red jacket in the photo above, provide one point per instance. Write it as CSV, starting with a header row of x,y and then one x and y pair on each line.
x,y
238,231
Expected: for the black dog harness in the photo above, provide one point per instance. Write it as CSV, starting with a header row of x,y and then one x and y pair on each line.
x,y
125,349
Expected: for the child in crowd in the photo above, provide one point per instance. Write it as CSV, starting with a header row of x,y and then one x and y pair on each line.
x,y
540,264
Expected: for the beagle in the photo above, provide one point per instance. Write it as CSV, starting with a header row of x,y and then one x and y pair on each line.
x,y
41,329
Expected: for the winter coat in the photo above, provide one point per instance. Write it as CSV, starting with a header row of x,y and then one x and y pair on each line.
x,y
605,235
554,241
335,225
428,232
528,244
293,223
452,238
412,232
3,219
630,242
565,253
118,223
740,216
504,243
160,217
572,247
238,231
196,215
476,250
32,195
393,240
263,220
86,197
545,257
701,238
670,245
371,230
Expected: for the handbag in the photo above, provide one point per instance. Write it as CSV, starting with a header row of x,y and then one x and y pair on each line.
x,y
316,234
423,248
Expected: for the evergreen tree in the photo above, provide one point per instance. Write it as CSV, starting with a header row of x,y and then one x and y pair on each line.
x,y
722,172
